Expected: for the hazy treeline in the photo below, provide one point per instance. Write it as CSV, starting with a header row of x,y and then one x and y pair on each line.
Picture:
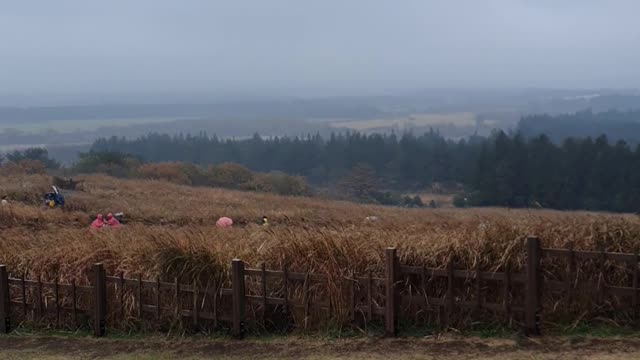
x,y
227,127
578,174
616,125
502,170
31,154
400,162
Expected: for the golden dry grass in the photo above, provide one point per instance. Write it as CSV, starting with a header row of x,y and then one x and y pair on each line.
x,y
172,233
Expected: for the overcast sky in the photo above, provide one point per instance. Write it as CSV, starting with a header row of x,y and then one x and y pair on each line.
x,y
320,46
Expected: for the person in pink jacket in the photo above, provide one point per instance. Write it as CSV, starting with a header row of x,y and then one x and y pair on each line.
x,y
112,221
97,223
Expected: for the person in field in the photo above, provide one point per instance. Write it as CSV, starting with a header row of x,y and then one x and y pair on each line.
x,y
98,223
112,221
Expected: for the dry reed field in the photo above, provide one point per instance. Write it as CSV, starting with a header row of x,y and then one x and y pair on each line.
x,y
171,233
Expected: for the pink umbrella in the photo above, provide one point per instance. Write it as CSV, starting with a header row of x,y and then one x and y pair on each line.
x,y
224,222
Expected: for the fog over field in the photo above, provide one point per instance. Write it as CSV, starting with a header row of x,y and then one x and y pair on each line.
x,y
332,47
73,71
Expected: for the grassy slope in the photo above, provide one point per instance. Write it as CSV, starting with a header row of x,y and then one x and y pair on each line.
x,y
166,215
172,233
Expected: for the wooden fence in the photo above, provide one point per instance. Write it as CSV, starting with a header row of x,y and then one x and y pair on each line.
x,y
404,291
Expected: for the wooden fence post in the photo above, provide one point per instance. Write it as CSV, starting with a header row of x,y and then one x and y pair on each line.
x,y
73,302
5,311
634,297
237,287
40,302
23,287
195,315
450,300
101,300
263,279
391,309
532,303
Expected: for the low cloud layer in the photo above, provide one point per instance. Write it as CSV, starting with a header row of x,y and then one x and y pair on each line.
x,y
315,47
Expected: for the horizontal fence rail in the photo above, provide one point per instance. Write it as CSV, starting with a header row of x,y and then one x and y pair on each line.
x,y
273,298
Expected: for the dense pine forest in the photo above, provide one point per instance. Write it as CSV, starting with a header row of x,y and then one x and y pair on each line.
x,y
500,170
615,124
405,161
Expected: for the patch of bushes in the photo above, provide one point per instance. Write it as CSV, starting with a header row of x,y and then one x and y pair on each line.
x,y
32,155
168,171
23,167
227,175
279,183
110,163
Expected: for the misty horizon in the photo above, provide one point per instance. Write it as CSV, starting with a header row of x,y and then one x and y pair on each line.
x,y
49,99
285,48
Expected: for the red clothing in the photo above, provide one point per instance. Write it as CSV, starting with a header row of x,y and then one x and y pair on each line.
x,y
97,223
112,222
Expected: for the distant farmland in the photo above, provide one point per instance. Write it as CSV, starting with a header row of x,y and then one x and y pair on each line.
x,y
72,125
459,119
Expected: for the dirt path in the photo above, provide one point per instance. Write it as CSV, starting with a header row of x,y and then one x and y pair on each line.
x,y
452,348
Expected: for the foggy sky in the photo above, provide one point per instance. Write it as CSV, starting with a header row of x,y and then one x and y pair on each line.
x,y
300,47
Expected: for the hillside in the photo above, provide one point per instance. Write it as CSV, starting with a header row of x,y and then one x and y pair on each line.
x,y
160,211
171,232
